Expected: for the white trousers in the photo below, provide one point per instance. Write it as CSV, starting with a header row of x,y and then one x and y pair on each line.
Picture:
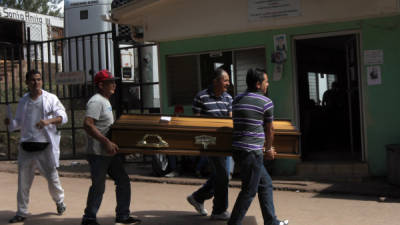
x,y
27,164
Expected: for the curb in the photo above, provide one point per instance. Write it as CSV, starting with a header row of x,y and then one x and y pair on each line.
x,y
371,188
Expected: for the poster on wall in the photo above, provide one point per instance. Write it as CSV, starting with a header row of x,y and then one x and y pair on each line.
x,y
374,75
278,70
280,42
260,10
279,55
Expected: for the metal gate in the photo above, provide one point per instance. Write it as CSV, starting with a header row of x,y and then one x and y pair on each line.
x,y
86,53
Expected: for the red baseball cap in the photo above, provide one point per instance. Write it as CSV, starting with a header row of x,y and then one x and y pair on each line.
x,y
104,75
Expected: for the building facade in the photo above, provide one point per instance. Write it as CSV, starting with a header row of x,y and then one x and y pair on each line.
x,y
332,65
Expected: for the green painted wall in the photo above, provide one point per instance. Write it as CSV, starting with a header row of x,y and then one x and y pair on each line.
x,y
380,103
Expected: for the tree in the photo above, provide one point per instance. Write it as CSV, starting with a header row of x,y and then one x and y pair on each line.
x,y
47,7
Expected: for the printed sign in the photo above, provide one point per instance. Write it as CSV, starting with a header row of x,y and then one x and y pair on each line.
x,y
76,77
260,10
373,57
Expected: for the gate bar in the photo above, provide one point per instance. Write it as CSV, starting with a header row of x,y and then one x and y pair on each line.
x,y
12,74
49,66
99,52
21,50
42,62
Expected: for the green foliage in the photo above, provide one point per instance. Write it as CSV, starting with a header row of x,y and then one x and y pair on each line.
x,y
47,7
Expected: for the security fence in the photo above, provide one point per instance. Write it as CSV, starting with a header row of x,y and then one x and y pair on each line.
x,y
68,66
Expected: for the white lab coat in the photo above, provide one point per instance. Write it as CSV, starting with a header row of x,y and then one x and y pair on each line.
x,y
52,108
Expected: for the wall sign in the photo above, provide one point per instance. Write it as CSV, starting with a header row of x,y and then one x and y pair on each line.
x,y
76,77
30,17
260,10
373,57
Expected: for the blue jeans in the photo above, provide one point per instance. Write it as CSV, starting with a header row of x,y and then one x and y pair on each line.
x,y
203,161
230,165
216,185
100,166
255,179
171,162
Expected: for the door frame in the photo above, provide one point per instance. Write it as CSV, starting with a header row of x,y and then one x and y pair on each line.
x,y
361,81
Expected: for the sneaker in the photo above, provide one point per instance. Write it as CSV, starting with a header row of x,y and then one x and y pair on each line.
x,y
89,222
222,216
61,207
17,219
197,205
284,222
129,220
172,174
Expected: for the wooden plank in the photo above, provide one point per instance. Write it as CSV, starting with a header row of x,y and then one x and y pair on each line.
x,y
193,152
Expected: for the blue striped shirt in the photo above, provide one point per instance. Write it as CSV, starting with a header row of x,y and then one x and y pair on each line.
x,y
207,104
251,110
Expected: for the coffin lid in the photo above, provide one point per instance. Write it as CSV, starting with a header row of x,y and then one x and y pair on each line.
x,y
185,123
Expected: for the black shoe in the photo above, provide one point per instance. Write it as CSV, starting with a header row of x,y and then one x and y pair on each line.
x,y
17,219
61,207
89,222
129,220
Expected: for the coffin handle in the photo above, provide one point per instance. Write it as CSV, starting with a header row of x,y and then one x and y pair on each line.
x,y
145,141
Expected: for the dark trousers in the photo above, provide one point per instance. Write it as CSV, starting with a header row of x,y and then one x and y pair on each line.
x,y
100,166
216,185
255,179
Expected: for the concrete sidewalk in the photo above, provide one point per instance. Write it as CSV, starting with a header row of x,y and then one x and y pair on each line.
x,y
138,171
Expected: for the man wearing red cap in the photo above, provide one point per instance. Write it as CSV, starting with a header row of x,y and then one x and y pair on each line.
x,y
102,154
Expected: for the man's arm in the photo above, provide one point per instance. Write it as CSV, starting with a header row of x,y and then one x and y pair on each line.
x,y
58,111
15,123
43,123
90,128
197,105
269,139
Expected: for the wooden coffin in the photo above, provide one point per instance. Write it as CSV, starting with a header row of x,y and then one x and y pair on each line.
x,y
151,134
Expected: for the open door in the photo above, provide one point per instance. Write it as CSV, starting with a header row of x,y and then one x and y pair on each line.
x,y
328,84
353,96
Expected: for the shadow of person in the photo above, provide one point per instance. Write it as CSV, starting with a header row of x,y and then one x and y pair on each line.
x,y
5,215
148,217
182,218
42,219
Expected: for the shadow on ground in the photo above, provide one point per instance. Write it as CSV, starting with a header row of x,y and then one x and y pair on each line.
x,y
147,217
42,219
382,199
182,218
374,190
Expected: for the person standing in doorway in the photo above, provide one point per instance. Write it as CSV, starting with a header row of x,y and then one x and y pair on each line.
x,y
253,135
216,102
38,113
102,154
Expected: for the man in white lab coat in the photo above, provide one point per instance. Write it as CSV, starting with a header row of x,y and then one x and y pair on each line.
x,y
37,115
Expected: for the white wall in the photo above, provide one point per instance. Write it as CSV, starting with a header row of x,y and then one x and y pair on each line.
x,y
179,19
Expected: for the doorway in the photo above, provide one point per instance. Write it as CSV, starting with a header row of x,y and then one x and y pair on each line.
x,y
329,88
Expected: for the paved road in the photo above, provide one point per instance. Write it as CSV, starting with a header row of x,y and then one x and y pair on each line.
x,y
165,204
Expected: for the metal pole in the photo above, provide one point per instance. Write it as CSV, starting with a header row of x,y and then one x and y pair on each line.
x,y
117,70
28,49
49,65
140,68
